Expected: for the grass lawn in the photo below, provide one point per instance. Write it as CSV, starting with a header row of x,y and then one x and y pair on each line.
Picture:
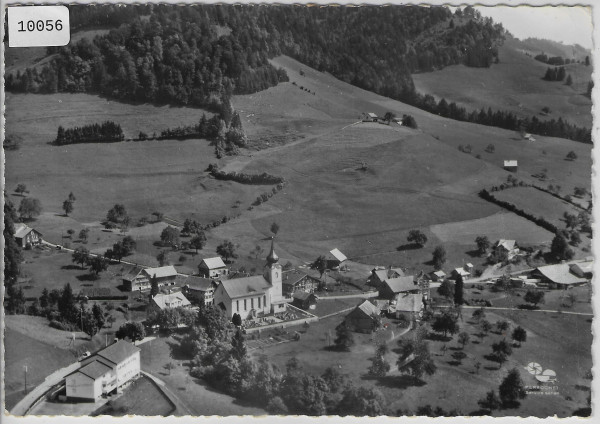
x,y
141,397
41,359
329,306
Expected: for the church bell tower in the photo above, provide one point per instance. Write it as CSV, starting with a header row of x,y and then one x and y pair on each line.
x,y
273,274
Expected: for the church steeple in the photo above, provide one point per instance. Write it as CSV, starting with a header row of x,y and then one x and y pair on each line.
x,y
272,258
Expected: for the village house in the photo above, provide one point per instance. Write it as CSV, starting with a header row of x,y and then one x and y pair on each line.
x,y
437,276
254,296
511,165
460,271
298,281
199,290
162,301
379,275
391,287
370,117
557,276
138,278
104,372
335,259
305,300
504,250
365,318
213,268
407,305
26,237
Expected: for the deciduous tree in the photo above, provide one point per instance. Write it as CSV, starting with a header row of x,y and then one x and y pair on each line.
x,y
227,250
417,237
439,257
30,208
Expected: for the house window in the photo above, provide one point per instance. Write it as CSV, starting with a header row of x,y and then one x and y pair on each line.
x,y
237,305
259,303
245,307
252,303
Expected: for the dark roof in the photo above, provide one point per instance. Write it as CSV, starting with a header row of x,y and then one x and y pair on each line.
x,y
197,283
246,286
94,369
132,272
293,276
118,352
302,295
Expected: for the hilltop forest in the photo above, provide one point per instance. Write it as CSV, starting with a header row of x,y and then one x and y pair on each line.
x,y
198,55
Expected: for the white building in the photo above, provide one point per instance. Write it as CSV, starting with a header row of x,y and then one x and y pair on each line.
x,y
104,372
160,302
253,296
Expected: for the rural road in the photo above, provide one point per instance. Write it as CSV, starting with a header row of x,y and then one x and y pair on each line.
x,y
533,310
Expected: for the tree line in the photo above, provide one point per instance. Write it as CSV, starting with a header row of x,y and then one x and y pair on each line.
x,y
107,132
240,177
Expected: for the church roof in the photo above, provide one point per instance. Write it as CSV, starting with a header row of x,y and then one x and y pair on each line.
x,y
246,286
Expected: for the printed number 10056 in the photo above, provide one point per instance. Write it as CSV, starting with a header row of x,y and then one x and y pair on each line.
x,y
47,25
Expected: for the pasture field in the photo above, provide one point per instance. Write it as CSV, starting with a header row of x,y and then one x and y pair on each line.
x,y
515,84
405,395
538,203
502,225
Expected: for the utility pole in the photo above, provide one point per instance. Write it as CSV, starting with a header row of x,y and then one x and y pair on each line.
x,y
25,372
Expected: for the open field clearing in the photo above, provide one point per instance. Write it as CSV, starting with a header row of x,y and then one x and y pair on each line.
x,y
40,358
502,225
514,84
538,203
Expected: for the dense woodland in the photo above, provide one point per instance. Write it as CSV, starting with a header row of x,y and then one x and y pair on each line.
x,y
196,55
201,55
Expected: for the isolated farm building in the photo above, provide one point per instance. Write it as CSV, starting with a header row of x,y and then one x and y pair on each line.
x,y
529,137
437,276
370,117
379,275
335,259
583,269
104,372
364,318
161,301
213,267
511,165
298,281
199,290
557,276
504,250
460,271
26,236
468,267
407,305
392,286
305,300
256,295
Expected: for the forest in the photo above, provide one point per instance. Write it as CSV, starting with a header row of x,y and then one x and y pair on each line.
x,y
195,55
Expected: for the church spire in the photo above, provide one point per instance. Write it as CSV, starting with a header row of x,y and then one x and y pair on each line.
x,y
272,258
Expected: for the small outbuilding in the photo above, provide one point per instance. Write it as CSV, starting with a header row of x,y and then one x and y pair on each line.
x,y
437,276
511,165
335,259
305,300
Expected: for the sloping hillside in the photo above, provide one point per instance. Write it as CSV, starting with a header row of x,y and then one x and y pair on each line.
x,y
515,84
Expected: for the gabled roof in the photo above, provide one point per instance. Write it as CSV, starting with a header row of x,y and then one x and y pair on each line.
x,y
171,300
94,369
161,272
368,308
132,272
560,274
21,230
462,272
511,163
213,263
439,274
384,274
409,302
118,351
507,244
335,253
198,283
293,276
401,284
372,115
246,286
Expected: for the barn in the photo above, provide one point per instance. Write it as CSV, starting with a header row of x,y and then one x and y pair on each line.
x,y
26,236
511,165
364,318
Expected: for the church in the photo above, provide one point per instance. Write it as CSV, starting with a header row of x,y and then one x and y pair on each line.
x,y
254,296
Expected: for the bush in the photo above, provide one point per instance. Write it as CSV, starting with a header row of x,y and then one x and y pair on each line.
x,y
64,326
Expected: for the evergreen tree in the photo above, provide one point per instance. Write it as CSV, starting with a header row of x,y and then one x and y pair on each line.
x,y
238,346
458,291
511,389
